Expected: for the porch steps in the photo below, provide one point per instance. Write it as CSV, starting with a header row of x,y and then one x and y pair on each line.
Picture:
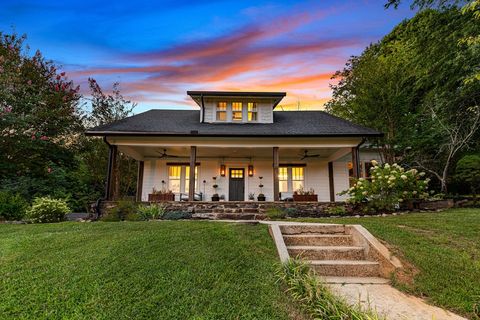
x,y
332,252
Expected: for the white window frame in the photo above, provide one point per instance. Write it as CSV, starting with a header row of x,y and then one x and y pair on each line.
x,y
290,177
183,175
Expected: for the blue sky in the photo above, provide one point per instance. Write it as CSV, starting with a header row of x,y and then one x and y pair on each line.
x,y
158,50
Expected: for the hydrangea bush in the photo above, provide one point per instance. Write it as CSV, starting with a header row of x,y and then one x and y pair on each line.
x,y
388,187
46,209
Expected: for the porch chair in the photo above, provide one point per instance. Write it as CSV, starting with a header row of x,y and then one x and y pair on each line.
x,y
196,196
286,196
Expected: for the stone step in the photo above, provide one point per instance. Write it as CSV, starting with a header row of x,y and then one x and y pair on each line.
x,y
355,280
327,252
316,229
346,268
315,239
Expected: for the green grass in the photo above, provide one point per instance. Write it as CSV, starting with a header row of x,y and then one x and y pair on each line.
x,y
444,248
135,270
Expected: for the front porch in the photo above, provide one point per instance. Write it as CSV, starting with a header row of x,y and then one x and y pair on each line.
x,y
240,168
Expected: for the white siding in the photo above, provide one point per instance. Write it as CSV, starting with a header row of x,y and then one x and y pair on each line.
x,y
340,179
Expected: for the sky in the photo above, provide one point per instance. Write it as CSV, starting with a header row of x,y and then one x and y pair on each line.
x,y
157,50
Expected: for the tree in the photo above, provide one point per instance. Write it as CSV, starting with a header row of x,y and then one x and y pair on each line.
x,y
468,170
412,86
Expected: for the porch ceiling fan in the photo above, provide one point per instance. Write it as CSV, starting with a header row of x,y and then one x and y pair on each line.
x,y
164,154
306,155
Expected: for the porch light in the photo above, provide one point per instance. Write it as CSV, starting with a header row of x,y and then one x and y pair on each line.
x,y
222,170
250,170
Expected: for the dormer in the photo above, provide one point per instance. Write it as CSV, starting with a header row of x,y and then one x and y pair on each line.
x,y
236,106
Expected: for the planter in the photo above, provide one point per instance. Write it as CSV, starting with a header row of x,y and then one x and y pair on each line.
x,y
305,197
217,198
161,197
261,198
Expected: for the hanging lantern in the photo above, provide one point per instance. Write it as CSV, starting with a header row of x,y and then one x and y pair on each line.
x,y
250,170
222,170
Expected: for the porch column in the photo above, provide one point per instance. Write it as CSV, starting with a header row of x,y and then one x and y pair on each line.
x,y
276,196
140,180
191,186
112,159
355,162
331,181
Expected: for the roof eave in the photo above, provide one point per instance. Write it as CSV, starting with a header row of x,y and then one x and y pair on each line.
x,y
163,134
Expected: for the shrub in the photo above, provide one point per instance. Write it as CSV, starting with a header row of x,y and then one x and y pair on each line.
x,y
315,297
276,213
388,186
123,209
292,212
467,171
177,215
152,211
46,209
12,206
336,210
133,217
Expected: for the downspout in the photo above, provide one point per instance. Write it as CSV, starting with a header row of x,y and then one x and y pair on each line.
x,y
203,108
357,151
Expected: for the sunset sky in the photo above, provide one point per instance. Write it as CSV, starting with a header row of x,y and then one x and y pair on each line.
x,y
158,50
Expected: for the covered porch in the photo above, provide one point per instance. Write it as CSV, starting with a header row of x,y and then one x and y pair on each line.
x,y
238,168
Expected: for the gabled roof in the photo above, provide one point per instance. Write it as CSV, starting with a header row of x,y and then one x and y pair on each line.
x,y
187,123
198,95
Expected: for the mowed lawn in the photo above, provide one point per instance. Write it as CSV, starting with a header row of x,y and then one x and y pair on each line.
x,y
135,270
444,248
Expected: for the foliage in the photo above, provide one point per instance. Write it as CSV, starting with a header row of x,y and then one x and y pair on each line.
x,y
123,209
176,215
275,213
315,297
440,250
46,209
418,97
12,206
468,171
151,212
336,210
292,212
301,191
134,217
139,270
389,186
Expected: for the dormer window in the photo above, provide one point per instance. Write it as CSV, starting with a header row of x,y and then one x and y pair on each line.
x,y
222,111
237,111
252,111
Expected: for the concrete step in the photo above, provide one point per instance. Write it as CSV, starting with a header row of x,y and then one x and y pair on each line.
x,y
355,280
327,252
346,268
317,239
316,229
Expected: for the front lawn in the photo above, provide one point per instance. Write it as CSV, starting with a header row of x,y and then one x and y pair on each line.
x,y
444,248
135,270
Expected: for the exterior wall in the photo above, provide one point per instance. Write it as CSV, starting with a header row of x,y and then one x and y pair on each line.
x,y
316,177
264,107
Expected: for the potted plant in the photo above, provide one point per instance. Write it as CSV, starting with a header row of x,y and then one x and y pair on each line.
x,y
261,196
161,195
305,195
215,196
251,196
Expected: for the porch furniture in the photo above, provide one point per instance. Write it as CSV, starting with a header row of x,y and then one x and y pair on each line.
x,y
305,197
286,196
196,196
157,197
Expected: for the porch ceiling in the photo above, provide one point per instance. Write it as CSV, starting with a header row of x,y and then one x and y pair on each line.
x,y
183,153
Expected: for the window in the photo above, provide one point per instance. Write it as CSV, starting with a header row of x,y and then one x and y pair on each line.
x,y
368,166
179,178
351,178
236,173
252,111
237,111
222,111
291,178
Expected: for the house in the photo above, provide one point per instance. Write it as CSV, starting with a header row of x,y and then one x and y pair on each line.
x,y
238,143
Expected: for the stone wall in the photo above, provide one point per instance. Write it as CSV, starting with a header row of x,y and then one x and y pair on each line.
x,y
241,210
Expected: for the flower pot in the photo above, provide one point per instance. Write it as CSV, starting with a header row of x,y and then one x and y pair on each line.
x,y
215,198
261,198
157,197
305,197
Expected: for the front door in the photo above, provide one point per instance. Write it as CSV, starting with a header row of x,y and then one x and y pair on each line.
x,y
236,190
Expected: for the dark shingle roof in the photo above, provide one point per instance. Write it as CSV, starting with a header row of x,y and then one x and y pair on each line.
x,y
187,122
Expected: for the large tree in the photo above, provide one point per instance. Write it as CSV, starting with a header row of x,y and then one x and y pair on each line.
x,y
413,86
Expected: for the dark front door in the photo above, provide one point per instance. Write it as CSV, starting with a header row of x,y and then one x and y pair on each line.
x,y
236,190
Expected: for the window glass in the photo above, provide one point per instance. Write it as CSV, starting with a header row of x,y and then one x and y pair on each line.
x,y
222,111
351,178
252,111
174,174
236,173
237,111
187,177
297,178
283,179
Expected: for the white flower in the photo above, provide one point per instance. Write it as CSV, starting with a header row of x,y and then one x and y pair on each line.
x,y
374,162
392,178
421,174
359,183
361,179
387,166
414,192
427,180
400,200
404,177
364,193
405,192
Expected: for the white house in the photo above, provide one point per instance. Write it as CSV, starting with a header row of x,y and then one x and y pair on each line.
x,y
238,142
